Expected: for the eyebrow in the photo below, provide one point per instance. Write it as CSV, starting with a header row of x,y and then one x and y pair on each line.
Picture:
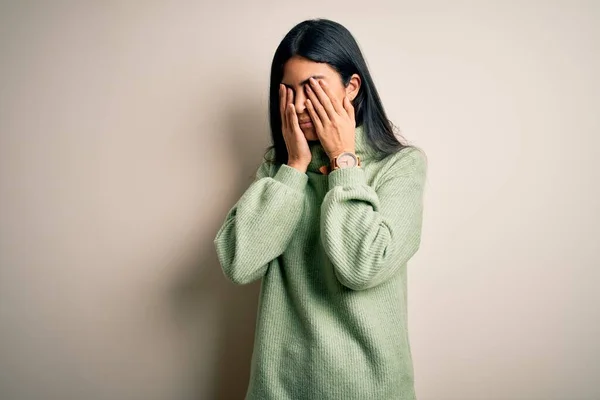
x,y
304,82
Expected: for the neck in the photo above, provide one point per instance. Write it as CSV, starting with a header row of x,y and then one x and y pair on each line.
x,y
320,157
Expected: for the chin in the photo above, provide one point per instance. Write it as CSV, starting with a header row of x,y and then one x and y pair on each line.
x,y
310,135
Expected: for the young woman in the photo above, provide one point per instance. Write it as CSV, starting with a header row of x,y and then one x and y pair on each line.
x,y
329,224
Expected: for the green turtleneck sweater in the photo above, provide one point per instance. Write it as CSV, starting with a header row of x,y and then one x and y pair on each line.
x,y
332,252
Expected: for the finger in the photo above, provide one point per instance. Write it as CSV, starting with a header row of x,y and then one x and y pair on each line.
x,y
317,106
324,98
289,98
282,102
287,118
290,118
313,115
295,125
349,108
287,135
335,102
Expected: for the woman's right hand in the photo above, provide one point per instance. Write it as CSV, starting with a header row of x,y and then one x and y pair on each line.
x,y
299,154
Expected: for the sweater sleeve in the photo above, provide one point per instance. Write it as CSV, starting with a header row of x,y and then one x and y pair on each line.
x,y
368,233
258,228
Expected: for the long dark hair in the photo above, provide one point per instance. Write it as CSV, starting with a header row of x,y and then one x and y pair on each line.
x,y
326,41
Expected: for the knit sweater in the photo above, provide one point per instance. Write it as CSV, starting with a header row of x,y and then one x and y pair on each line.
x,y
332,252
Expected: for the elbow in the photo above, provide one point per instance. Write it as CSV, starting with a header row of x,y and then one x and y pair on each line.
x,y
236,278
239,274
353,280
236,274
228,265
356,284
245,275
372,272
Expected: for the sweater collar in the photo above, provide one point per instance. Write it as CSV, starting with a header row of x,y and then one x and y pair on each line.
x,y
320,157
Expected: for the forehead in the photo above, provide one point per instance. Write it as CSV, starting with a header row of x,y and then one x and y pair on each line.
x,y
298,69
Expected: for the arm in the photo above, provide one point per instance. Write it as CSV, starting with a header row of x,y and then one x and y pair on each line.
x,y
258,228
368,233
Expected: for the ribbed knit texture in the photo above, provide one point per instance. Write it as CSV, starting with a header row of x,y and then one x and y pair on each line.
x,y
332,252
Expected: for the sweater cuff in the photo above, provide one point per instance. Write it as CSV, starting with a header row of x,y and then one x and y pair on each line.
x,y
347,177
291,177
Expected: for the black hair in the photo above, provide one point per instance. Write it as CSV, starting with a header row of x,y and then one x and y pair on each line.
x,y
326,41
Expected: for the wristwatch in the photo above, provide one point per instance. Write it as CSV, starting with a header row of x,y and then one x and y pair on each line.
x,y
347,159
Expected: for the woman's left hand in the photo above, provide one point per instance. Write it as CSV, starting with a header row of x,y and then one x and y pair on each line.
x,y
333,121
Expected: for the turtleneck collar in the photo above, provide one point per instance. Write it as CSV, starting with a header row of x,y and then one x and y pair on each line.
x,y
320,157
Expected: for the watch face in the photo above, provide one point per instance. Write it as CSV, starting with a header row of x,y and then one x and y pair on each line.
x,y
346,160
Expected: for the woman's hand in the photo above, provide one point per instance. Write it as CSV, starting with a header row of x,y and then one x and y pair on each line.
x,y
333,120
299,154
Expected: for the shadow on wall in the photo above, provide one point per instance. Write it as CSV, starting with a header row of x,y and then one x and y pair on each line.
x,y
203,293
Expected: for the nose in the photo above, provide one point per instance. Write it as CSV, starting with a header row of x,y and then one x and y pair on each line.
x,y
299,100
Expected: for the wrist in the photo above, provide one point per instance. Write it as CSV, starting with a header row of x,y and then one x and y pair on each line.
x,y
345,159
300,167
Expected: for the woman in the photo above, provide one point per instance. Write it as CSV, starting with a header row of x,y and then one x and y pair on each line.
x,y
329,223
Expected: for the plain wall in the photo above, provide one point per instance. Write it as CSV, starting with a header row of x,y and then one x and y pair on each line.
x,y
129,129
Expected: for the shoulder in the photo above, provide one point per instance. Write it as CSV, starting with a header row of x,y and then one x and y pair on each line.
x,y
413,155
269,153
409,160
267,166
